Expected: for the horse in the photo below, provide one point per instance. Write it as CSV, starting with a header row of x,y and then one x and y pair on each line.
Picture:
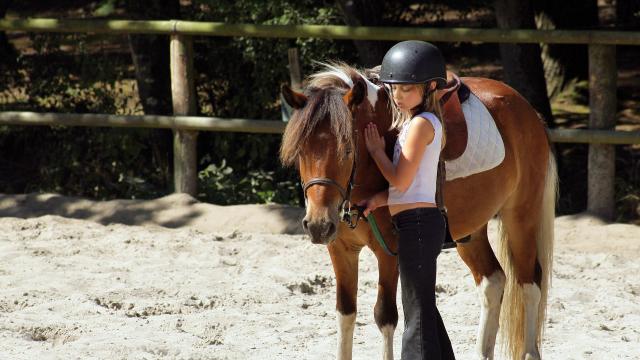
x,y
324,140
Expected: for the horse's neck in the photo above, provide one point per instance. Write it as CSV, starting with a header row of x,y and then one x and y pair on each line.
x,y
370,175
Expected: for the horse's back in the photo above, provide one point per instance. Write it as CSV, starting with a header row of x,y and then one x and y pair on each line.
x,y
475,199
512,113
489,87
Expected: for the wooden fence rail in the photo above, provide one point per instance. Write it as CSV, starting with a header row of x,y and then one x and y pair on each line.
x,y
202,123
321,31
602,84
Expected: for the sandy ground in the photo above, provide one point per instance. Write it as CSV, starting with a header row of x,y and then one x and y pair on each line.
x,y
176,279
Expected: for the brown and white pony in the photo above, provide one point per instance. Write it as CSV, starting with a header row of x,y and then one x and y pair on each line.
x,y
324,139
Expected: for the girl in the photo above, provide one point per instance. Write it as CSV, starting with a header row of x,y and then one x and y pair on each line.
x,y
414,70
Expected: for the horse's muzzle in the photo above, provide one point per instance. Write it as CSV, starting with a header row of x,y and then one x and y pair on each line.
x,y
321,232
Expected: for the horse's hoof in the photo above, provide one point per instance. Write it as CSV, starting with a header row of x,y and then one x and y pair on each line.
x,y
532,357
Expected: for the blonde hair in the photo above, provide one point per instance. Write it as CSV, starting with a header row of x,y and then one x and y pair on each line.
x,y
430,103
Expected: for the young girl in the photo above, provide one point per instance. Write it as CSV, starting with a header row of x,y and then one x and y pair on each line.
x,y
414,70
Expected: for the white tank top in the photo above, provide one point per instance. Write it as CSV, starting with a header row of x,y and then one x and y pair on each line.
x,y
423,186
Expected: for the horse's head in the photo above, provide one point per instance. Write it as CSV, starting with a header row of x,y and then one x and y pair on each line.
x,y
322,140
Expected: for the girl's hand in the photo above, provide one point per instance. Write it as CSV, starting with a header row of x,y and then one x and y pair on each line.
x,y
371,204
373,140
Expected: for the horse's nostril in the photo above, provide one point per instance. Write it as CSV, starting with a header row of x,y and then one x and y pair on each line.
x,y
330,229
305,224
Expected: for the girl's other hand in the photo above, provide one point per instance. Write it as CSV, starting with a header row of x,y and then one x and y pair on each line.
x,y
370,204
373,140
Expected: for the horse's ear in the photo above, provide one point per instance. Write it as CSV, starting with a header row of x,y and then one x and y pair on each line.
x,y
356,94
295,99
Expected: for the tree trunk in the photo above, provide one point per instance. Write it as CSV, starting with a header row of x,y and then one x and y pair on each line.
x,y
603,76
365,13
8,53
150,54
522,64
562,62
554,67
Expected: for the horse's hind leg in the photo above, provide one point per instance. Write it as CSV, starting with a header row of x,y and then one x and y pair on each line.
x,y
490,279
344,257
525,291
526,252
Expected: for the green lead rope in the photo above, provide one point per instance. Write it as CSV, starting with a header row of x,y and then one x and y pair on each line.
x,y
374,228
378,235
376,232
359,213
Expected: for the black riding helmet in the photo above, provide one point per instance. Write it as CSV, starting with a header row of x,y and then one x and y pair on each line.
x,y
412,62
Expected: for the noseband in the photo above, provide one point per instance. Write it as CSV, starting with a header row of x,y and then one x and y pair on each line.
x,y
348,213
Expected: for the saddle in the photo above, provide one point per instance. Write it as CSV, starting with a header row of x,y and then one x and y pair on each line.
x,y
451,96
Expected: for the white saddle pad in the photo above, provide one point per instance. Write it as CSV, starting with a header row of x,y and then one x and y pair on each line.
x,y
485,148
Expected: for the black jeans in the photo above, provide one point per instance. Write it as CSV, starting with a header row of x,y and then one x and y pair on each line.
x,y
422,232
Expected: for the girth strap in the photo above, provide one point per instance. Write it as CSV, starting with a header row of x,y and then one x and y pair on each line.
x,y
449,242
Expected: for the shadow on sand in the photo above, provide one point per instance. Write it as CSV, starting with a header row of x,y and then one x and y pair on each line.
x,y
172,211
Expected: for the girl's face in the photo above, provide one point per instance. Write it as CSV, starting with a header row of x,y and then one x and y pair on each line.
x,y
407,96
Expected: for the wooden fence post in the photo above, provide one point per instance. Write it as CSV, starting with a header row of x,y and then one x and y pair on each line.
x,y
185,176
602,101
295,73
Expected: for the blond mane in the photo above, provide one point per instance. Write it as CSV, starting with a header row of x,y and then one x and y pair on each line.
x,y
325,90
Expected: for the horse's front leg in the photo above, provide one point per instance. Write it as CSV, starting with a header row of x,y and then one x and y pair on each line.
x,y
386,310
344,257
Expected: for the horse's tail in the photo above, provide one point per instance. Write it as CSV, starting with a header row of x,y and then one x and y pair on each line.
x,y
512,316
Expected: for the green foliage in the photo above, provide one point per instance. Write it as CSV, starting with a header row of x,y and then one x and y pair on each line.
x,y
99,163
220,185
237,77
241,78
71,73
105,8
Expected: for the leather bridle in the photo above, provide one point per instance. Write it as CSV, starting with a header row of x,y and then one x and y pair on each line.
x,y
348,213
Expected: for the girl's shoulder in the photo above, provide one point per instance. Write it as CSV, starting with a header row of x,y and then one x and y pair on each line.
x,y
427,116
423,127
430,118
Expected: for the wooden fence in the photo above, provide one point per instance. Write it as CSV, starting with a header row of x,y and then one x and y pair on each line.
x,y
205,123
602,85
